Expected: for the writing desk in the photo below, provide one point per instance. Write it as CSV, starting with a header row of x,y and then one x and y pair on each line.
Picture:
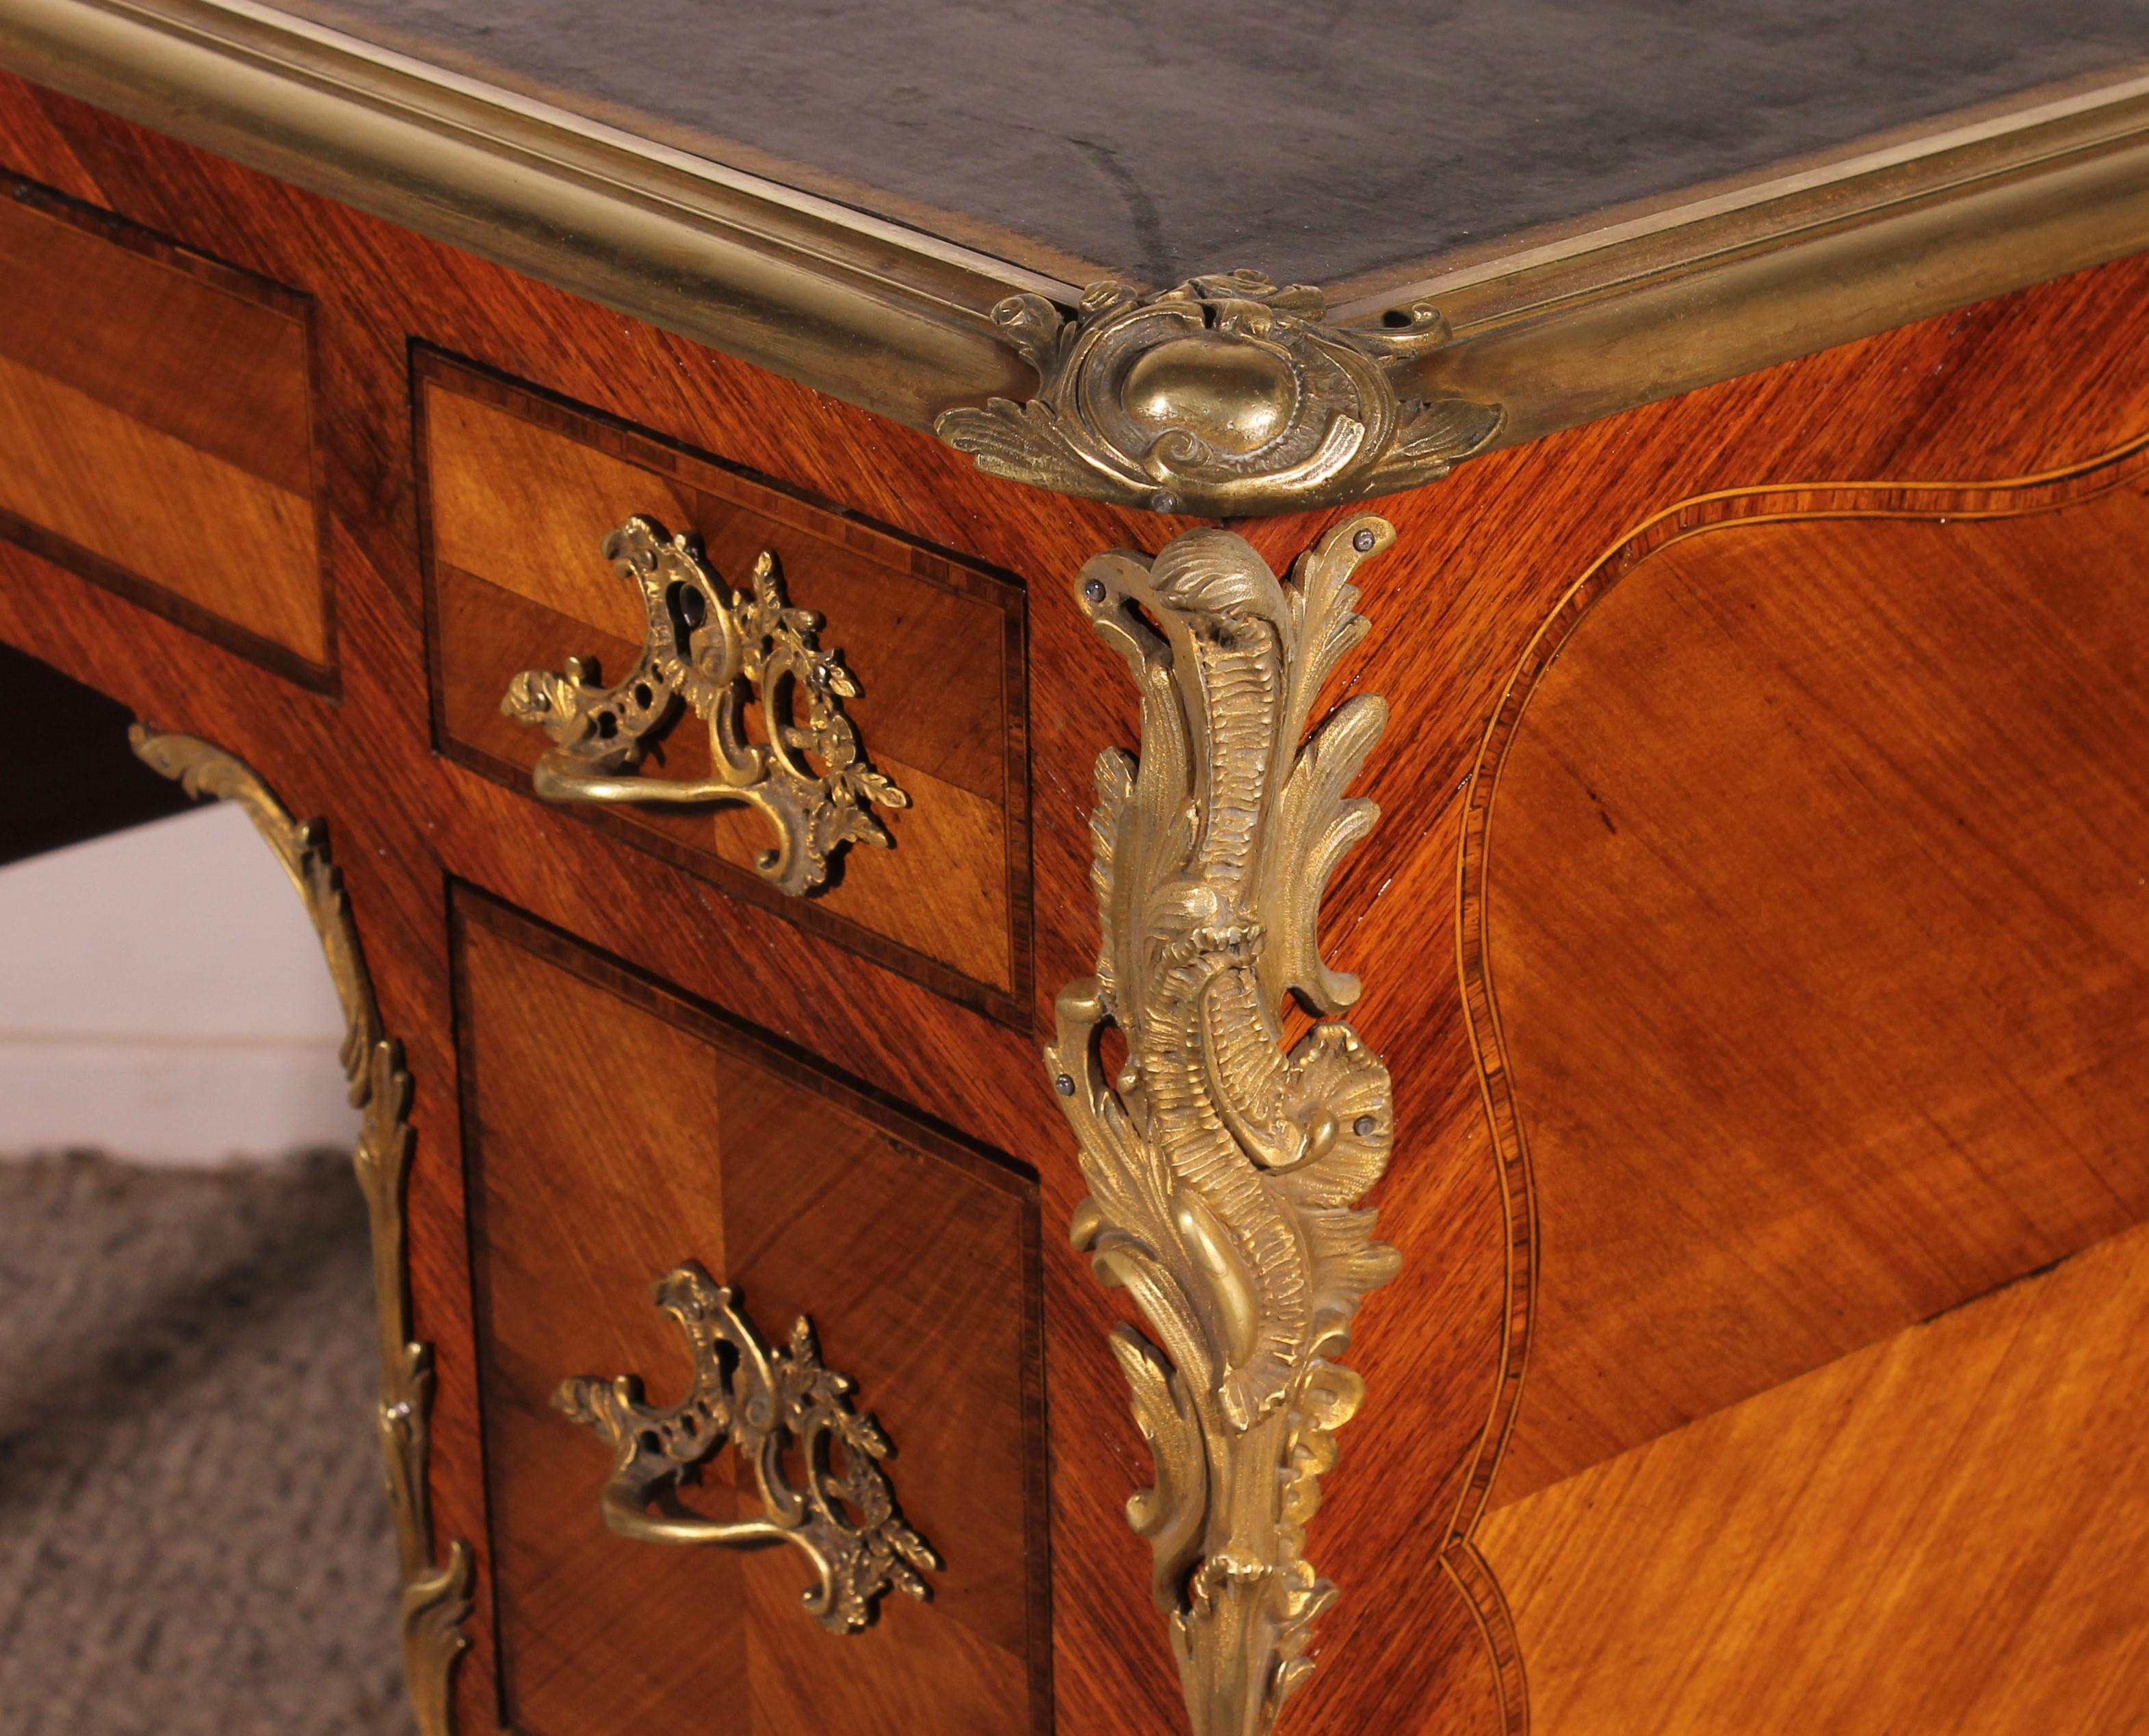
x,y
761,569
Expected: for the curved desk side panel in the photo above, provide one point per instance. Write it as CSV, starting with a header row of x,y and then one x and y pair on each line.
x,y
1811,956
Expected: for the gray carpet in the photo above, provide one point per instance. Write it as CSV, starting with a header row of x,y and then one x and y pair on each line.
x,y
193,1533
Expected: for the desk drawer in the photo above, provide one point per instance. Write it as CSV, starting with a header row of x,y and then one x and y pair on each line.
x,y
613,1132
156,427
520,494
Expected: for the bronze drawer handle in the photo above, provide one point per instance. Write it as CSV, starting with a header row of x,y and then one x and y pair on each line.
x,y
764,1401
719,651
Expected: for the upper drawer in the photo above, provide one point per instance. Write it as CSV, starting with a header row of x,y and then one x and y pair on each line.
x,y
520,493
155,427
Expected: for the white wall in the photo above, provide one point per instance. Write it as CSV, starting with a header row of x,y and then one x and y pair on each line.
x,y
163,998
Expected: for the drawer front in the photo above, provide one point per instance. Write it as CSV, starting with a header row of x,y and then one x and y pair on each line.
x,y
612,1132
520,493
155,427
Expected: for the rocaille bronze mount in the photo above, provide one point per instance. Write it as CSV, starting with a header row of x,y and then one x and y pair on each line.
x,y
722,652
1220,397
1225,1170
436,1595
816,1462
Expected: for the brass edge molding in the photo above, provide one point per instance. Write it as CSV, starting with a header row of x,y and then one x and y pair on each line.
x,y
1224,396
1538,266
720,652
1226,1173
865,309
779,1408
1756,273
1585,322
437,1597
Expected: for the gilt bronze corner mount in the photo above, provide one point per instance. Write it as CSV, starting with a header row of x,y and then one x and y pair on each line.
x,y
1226,395
1226,1171
724,653
776,1407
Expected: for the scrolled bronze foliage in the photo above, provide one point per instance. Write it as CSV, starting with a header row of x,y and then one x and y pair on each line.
x,y
1225,1171
1226,396
722,652
771,1405
437,1597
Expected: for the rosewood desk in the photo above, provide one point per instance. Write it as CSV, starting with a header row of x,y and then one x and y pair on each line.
x,y
950,687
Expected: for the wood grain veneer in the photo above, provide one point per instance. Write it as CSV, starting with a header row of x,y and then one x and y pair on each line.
x,y
1941,1532
519,492
155,427
611,1131
1810,949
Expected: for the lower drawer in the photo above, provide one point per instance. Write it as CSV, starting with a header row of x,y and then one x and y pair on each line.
x,y
612,1132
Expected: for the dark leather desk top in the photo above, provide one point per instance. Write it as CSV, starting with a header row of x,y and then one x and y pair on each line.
x,y
1317,141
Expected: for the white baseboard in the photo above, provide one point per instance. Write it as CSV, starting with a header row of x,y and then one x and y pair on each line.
x,y
171,1103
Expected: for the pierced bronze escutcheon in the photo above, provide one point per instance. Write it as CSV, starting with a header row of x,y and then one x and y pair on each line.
x,y
720,652
842,1516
